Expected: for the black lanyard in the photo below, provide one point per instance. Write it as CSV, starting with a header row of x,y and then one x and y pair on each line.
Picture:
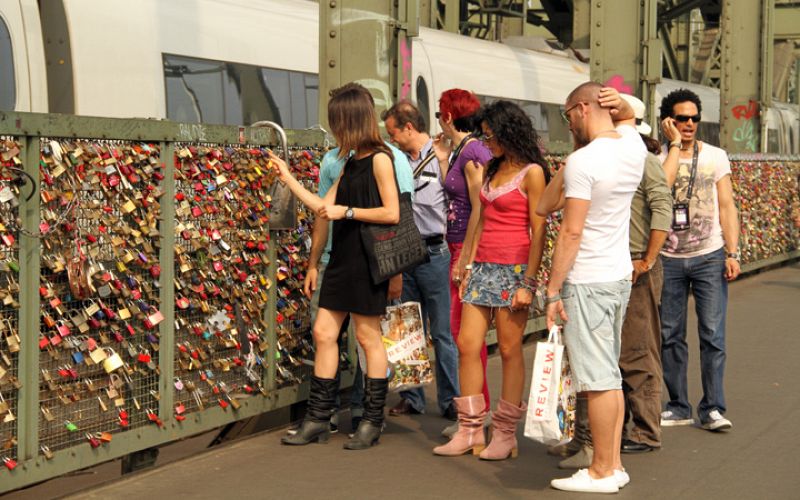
x,y
692,175
459,148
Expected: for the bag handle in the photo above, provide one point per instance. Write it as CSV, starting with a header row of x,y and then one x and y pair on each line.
x,y
554,335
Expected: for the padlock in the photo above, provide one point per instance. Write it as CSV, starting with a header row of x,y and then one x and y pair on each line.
x,y
93,441
98,355
10,463
112,362
70,426
46,452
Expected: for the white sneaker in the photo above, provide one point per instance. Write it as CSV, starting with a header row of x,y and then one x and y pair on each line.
x,y
582,482
669,419
622,477
716,422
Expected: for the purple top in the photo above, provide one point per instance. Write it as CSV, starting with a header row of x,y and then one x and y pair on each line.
x,y
459,206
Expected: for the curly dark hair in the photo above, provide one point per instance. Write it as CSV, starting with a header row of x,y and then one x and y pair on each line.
x,y
675,97
514,131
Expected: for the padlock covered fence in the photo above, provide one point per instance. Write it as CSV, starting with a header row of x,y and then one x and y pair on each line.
x,y
147,294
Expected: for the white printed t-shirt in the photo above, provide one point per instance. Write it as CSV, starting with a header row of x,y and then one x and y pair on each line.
x,y
606,172
705,232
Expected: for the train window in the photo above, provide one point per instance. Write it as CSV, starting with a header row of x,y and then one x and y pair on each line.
x,y
708,132
294,96
203,91
546,118
8,86
423,101
773,142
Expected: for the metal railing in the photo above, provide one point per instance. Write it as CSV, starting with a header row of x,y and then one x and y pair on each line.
x,y
146,297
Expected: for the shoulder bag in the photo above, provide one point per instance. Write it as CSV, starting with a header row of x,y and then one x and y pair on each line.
x,y
394,248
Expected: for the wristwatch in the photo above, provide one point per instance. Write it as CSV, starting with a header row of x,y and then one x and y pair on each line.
x,y
733,255
348,214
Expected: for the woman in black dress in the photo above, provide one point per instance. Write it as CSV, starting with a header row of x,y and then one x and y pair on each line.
x,y
365,192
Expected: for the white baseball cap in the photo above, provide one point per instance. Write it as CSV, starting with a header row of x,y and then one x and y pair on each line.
x,y
638,110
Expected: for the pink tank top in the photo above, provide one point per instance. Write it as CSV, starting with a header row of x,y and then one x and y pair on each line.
x,y
506,237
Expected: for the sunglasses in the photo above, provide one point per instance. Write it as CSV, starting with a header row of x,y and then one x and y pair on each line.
x,y
485,138
686,118
565,113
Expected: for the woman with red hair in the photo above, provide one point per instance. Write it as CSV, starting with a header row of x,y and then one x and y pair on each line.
x,y
465,156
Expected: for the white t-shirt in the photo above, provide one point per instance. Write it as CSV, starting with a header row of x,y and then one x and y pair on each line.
x,y
606,172
705,232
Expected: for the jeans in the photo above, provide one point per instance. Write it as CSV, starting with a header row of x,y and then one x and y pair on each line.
x,y
593,332
705,276
640,359
428,285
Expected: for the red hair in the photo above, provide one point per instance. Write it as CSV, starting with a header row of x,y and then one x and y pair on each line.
x,y
458,103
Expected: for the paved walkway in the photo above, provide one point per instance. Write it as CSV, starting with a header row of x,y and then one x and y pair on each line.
x,y
757,459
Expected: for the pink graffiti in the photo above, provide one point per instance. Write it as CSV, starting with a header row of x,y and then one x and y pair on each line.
x,y
746,112
618,82
405,54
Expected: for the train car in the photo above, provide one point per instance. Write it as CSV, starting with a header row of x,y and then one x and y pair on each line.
x,y
238,61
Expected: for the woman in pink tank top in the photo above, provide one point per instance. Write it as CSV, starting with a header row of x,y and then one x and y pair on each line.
x,y
505,253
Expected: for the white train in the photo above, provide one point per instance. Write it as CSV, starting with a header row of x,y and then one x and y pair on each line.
x,y
240,61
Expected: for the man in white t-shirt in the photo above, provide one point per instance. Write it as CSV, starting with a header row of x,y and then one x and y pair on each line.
x,y
592,262
701,255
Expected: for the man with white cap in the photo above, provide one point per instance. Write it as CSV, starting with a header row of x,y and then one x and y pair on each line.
x,y
640,354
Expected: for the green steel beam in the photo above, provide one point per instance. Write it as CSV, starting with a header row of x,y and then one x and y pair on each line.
x,y
741,107
56,125
581,23
360,41
631,56
29,258
787,23
270,373
452,10
166,226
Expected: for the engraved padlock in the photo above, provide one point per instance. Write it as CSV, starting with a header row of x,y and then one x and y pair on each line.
x,y
113,362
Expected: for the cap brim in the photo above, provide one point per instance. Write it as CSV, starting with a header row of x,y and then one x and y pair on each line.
x,y
644,128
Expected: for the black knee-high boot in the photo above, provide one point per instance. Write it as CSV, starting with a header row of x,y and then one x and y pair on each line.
x,y
369,429
316,425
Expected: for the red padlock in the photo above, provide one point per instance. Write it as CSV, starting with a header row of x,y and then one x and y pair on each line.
x,y
155,271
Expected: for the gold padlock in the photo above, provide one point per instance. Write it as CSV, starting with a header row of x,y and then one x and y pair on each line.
x,y
113,362
98,355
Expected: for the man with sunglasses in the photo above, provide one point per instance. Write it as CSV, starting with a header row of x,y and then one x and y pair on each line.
x,y
701,254
590,278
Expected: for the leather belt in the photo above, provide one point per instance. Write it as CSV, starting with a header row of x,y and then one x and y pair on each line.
x,y
436,239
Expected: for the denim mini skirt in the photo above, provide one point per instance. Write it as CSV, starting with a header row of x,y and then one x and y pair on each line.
x,y
493,285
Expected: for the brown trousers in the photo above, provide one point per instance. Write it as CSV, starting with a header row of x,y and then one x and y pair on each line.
x,y
640,359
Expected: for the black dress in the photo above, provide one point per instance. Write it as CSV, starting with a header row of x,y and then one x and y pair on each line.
x,y
346,284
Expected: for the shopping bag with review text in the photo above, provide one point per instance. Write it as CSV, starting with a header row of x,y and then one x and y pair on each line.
x,y
551,404
406,346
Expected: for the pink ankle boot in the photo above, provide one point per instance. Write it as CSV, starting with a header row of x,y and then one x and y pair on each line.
x,y
469,436
504,431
